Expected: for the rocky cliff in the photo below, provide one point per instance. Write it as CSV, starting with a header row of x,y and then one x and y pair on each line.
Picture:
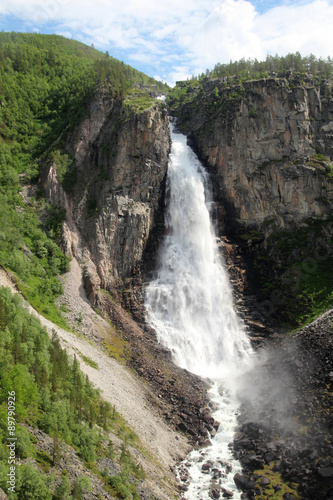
x,y
268,145
264,142
121,160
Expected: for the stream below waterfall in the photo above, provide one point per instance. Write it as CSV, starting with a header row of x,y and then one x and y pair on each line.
x,y
190,306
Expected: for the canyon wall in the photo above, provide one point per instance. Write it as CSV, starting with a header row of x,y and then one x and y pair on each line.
x,y
264,142
121,161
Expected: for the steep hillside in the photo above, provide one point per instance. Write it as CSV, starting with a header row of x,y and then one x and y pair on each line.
x,y
47,83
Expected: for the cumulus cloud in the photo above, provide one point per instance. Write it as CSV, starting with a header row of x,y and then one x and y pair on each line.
x,y
177,39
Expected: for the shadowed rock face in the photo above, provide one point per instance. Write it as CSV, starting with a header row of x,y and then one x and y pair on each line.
x,y
259,142
121,162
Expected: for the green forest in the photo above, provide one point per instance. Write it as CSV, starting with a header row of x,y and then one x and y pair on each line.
x,y
276,65
53,395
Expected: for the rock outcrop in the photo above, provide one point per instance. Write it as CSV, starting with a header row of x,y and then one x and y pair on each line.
x,y
113,211
121,162
264,142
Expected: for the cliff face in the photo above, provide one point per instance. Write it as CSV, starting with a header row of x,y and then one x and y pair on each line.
x,y
121,162
268,145
261,142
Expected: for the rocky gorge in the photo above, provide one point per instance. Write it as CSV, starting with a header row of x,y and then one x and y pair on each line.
x,y
268,148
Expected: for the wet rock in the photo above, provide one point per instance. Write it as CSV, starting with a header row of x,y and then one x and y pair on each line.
x,y
205,443
302,453
243,444
243,482
269,457
217,474
227,493
206,467
215,493
251,429
182,427
208,418
326,472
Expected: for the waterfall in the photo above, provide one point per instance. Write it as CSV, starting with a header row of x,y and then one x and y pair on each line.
x,y
190,306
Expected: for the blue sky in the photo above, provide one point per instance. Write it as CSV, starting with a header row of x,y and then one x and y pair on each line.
x,y
174,39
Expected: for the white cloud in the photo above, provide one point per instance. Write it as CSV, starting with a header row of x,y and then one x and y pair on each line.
x,y
177,39
304,27
66,34
226,34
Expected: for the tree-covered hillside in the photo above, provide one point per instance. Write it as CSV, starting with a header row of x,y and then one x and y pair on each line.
x,y
43,388
45,84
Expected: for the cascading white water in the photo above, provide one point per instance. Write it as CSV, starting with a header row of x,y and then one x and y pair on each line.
x,y
191,308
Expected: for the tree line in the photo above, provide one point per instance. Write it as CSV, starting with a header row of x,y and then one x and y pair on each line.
x,y
276,65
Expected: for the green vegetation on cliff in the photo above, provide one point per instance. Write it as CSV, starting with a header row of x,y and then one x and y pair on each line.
x,y
293,271
280,66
